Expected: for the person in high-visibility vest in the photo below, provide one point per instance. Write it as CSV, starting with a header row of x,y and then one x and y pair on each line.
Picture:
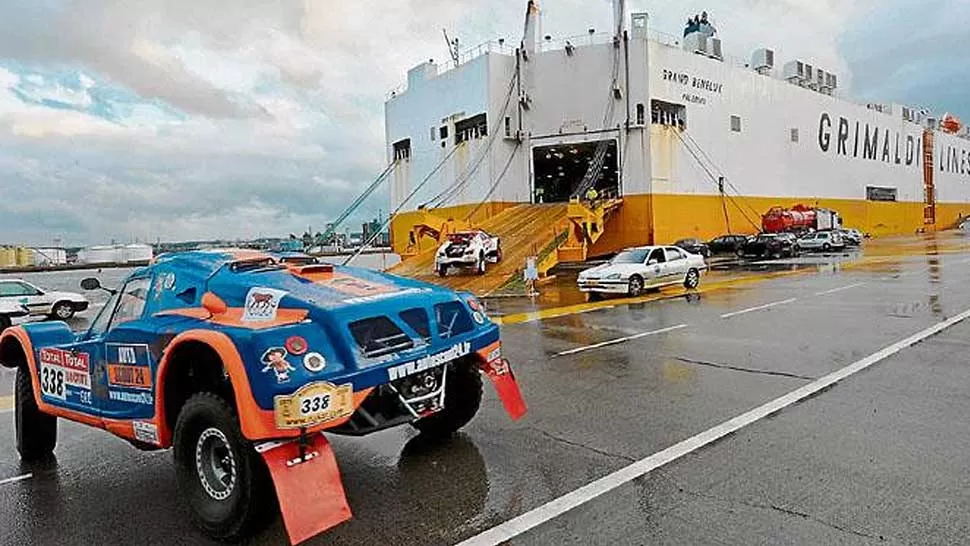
x,y
592,194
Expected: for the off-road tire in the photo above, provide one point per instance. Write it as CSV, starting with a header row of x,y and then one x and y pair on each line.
x,y
692,279
36,431
826,247
635,288
62,310
442,270
4,322
498,254
251,502
480,266
463,397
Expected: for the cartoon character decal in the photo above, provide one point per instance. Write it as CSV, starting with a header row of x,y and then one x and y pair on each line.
x,y
275,360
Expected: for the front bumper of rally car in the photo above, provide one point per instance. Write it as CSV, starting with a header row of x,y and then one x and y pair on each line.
x,y
304,470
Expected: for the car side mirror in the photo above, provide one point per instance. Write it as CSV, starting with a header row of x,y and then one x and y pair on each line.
x,y
653,262
90,283
214,304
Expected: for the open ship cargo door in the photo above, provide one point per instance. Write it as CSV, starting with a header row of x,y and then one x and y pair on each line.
x,y
559,169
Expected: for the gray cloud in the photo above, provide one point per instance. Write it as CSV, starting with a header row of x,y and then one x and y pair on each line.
x,y
912,52
284,98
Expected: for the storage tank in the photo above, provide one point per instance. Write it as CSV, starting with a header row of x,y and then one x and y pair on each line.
x,y
25,256
8,257
99,254
137,253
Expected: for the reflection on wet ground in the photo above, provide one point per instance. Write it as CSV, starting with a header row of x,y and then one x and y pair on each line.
x,y
887,256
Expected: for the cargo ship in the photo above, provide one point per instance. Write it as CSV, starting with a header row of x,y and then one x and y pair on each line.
x,y
674,138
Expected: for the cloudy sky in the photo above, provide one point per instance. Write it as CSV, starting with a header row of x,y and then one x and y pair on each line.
x,y
184,119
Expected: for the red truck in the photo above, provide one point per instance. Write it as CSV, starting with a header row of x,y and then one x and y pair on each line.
x,y
799,218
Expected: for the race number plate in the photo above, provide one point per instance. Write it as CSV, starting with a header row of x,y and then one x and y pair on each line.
x,y
313,404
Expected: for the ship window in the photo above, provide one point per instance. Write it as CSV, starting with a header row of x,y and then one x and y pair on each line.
x,y
668,113
794,134
508,126
736,124
471,128
402,150
443,132
641,114
433,131
874,193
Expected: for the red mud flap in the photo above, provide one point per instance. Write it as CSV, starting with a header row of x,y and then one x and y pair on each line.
x,y
310,492
500,372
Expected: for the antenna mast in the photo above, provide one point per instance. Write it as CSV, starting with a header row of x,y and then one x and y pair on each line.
x,y
452,47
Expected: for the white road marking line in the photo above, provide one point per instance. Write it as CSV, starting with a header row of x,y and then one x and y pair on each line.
x,y
840,289
558,506
759,308
16,479
620,340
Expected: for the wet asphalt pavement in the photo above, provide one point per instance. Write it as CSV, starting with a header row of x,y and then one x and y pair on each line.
x,y
879,458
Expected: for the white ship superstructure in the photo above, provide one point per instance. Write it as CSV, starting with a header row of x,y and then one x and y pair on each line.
x,y
691,142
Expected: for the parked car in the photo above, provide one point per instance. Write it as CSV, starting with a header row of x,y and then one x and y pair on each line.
x,y
822,240
727,244
770,245
694,246
636,269
41,302
10,310
238,362
468,249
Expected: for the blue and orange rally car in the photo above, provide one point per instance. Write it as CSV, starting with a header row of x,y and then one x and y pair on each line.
x,y
237,360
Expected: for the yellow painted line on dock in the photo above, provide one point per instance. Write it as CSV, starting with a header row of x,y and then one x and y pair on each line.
x,y
6,403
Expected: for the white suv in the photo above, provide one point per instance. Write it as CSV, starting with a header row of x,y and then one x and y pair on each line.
x,y
468,249
56,305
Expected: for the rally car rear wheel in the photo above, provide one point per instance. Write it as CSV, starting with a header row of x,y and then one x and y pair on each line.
x,y
36,431
219,474
463,397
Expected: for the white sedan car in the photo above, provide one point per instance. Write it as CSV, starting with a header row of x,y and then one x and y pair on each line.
x,y
48,303
468,249
636,269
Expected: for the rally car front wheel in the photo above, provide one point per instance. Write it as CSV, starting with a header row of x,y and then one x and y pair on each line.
x,y
218,472
36,431
463,397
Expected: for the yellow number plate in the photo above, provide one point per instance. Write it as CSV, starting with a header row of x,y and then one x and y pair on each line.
x,y
313,404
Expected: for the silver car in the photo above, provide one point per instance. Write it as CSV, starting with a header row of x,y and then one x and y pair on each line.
x,y
822,240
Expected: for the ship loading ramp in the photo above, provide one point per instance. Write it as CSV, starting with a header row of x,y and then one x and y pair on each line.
x,y
524,230
551,232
